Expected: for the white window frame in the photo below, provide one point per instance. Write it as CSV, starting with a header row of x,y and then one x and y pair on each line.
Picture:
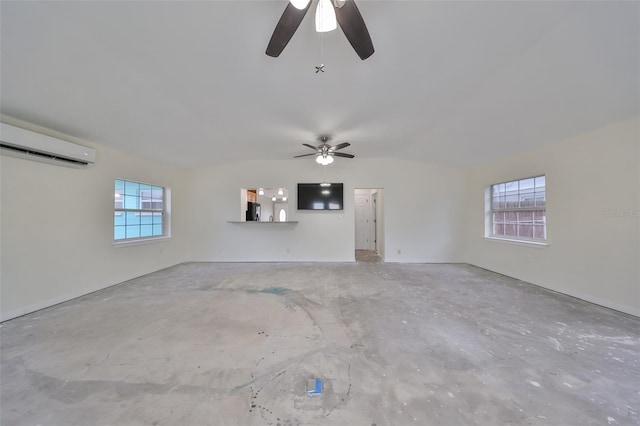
x,y
491,209
165,212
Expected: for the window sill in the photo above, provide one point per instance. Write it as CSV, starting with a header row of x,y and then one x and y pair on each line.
x,y
141,241
536,244
261,223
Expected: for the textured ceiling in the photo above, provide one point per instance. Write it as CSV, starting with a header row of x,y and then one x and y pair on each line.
x,y
451,82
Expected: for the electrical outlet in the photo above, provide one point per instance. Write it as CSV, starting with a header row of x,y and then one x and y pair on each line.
x,y
399,251
287,250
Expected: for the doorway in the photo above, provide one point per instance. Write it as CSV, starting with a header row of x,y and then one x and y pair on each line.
x,y
280,212
369,224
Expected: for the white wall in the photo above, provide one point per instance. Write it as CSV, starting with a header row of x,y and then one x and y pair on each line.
x,y
56,222
266,208
593,183
57,228
423,211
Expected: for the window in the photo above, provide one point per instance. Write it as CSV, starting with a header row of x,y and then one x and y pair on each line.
x,y
140,210
518,209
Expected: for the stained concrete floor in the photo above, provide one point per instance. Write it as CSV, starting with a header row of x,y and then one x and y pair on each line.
x,y
394,344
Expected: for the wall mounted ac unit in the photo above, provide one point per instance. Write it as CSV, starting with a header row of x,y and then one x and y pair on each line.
x,y
22,143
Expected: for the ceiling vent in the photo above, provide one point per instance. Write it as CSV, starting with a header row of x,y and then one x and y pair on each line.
x,y
21,143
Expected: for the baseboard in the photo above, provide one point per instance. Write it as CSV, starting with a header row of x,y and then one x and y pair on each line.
x,y
576,294
596,301
5,316
51,302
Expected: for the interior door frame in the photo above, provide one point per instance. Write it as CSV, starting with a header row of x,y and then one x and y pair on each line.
x,y
362,219
376,219
374,215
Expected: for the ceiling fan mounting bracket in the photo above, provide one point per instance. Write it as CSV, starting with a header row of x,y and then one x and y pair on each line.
x,y
324,139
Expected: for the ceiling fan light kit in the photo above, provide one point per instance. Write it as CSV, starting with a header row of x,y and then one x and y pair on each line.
x,y
329,14
324,160
300,4
325,17
325,153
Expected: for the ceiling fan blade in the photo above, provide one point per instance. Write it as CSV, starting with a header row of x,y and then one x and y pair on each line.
x,y
304,155
354,29
286,27
315,148
340,146
341,154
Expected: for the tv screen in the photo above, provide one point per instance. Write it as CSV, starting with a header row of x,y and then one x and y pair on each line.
x,y
320,196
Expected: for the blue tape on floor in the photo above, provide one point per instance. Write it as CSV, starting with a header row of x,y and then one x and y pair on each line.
x,y
314,386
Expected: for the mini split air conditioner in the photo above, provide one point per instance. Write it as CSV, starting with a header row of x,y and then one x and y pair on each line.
x,y
21,143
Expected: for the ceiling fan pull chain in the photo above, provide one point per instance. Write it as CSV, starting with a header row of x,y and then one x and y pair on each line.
x,y
320,68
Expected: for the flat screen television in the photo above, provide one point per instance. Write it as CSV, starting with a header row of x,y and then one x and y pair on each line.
x,y
320,196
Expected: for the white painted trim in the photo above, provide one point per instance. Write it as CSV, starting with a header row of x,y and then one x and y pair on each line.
x,y
599,302
5,316
126,243
596,301
51,302
578,295
518,242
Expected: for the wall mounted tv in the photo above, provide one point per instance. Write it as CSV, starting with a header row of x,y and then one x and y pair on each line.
x,y
320,196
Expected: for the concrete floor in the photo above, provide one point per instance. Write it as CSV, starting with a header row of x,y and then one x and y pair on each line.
x,y
367,256
394,344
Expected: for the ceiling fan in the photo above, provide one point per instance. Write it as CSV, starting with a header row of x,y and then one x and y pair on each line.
x,y
328,11
324,152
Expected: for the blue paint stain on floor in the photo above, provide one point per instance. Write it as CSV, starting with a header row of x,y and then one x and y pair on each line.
x,y
278,291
